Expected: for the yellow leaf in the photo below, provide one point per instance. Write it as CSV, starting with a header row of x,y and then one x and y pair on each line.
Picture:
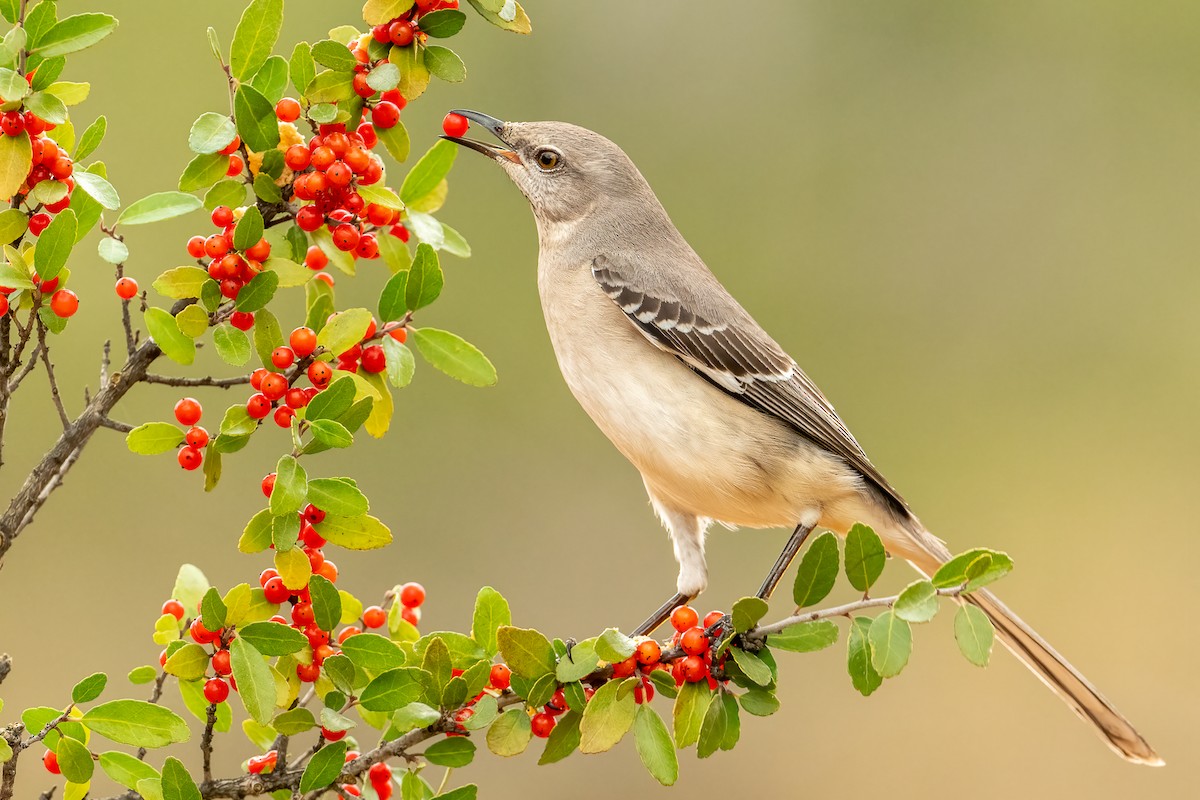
x,y
293,567
16,157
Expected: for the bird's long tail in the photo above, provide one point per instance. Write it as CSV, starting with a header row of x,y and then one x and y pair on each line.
x,y
1042,659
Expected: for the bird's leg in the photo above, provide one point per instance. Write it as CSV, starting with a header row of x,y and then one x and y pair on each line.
x,y
662,614
794,543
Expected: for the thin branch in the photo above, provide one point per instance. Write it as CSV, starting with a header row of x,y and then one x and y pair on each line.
x,y
220,383
58,403
839,611
28,368
122,427
206,740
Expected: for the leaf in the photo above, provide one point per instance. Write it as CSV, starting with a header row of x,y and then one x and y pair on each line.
x,y
891,644
233,346
330,86
190,586
273,638
400,363
510,733
445,64
55,243
396,142
563,740
456,752
13,223
690,707
818,571
114,251
491,614
654,746
331,434
256,120
12,85
917,603
181,282
258,292
865,556
578,663
333,401
211,133
324,767
394,689
372,652
225,192
48,107
74,34
337,496
414,75
141,675
249,229
271,78
519,23
256,687
153,438
91,138
326,602
429,171
862,672
747,612
614,646
291,486
392,300
759,702
444,23
16,157
714,728
203,171
335,55
974,633
527,652
752,666
425,279
177,784
301,68
189,662
344,330
166,334
255,37
805,637
124,769
454,356
75,760
355,533
136,723
957,571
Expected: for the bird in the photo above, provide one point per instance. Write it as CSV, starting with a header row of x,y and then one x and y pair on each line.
x,y
720,421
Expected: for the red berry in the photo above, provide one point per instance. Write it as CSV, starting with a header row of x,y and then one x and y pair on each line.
x,y
332,736
274,386
455,125
308,672
368,247
373,359
283,416
542,724
385,115
259,251
38,223
326,279
297,157
302,614
50,762
64,303
623,669
288,109
648,652
329,571
221,663
3,304
216,245
189,457
174,608
399,334
401,33
303,341
694,669
188,411
374,617
275,592
361,87
379,773
200,634
216,690
282,357
195,247
197,437
296,398
268,484
345,237
309,218
694,642
412,595
411,615
684,617
235,166
12,123
126,288
500,677
366,132
266,575
222,216
258,406
315,258
347,632
242,320
232,147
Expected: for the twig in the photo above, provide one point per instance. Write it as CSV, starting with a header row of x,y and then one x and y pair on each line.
x,y
155,696
28,368
58,403
122,427
206,741
839,611
220,383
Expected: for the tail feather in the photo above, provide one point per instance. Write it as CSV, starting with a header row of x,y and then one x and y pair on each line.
x,y
1044,661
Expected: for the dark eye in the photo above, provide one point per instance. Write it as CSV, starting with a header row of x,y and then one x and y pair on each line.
x,y
547,159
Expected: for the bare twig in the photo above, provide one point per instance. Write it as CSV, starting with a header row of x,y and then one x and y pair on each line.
x,y
207,739
58,403
209,380
123,427
15,381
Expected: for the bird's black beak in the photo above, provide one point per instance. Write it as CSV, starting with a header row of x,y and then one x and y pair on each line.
x,y
496,127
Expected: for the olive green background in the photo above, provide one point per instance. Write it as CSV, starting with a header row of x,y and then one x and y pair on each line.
x,y
973,224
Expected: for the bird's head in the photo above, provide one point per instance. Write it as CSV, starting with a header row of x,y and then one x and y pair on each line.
x,y
566,171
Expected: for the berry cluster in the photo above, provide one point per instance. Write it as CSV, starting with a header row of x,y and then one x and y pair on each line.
x,y
230,268
403,30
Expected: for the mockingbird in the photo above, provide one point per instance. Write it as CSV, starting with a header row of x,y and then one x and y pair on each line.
x,y
720,421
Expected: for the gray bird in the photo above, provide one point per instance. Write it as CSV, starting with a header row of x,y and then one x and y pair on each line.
x,y
718,418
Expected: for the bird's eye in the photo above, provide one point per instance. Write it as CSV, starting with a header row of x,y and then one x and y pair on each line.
x,y
547,159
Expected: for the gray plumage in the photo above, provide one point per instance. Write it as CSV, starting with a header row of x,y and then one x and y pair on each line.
x,y
720,421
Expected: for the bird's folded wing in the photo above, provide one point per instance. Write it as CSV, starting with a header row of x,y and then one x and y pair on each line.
x,y
703,326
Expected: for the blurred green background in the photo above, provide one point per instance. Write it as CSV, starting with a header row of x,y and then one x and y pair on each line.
x,y
974,224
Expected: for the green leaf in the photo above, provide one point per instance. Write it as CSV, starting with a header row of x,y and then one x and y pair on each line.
x,y
372,652
225,192
425,279
255,37
384,77
577,664
141,675
192,321
400,363
564,739
862,672
752,666
55,243
16,157
747,612
759,702
47,106
527,652
114,251
491,614
273,638
271,78
190,586
74,34
989,566
249,229
100,190
197,705
714,728
189,662
256,687
445,64
333,402
690,707
203,171
13,223
9,9
454,356
456,752
256,120
211,133
181,282
213,610
917,603
331,434
13,85
417,715
92,136
136,723
891,644
414,75
177,784
258,292
654,746
429,171
818,571
337,496
355,533
326,602
392,300
805,637
510,733
517,23
377,12
166,334
394,689
324,767
396,142
444,23
614,646
233,346
266,190
75,760
330,86
974,633
865,556
267,336
126,770
153,438
335,55
301,68
291,486
344,330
